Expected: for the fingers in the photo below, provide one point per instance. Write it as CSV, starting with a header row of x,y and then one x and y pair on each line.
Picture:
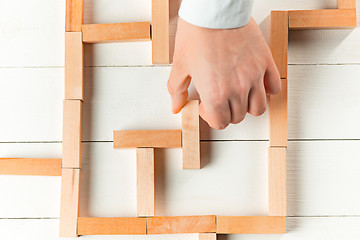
x,y
272,79
257,100
239,107
215,113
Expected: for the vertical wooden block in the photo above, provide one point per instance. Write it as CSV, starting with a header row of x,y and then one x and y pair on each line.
x,y
69,208
160,32
277,181
74,66
278,112
191,135
346,4
71,147
74,15
145,182
207,236
279,40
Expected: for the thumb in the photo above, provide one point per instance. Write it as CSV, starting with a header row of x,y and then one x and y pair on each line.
x,y
178,85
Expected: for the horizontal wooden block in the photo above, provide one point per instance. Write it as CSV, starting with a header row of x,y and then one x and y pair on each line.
x,y
69,205
250,225
160,18
279,40
147,138
278,114
74,66
116,32
71,147
182,224
74,15
346,4
322,19
277,181
207,236
30,166
111,226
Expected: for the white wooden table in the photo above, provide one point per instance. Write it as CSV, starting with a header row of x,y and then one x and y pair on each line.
x,y
124,91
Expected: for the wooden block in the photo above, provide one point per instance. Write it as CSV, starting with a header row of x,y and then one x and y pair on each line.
x,y
207,236
182,224
191,135
30,166
160,32
69,206
277,181
145,182
71,147
116,32
250,225
74,15
322,19
74,66
278,112
279,40
147,138
111,226
346,4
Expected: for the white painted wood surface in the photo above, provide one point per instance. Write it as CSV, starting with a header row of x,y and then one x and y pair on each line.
x,y
124,91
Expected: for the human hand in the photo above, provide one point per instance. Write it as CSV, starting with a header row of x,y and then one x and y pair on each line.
x,y
231,69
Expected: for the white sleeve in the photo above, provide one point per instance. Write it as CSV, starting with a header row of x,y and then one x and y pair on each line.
x,y
219,14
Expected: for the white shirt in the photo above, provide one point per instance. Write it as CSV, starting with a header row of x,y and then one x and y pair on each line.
x,y
216,13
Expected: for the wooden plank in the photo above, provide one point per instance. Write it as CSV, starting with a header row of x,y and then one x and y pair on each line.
x,y
74,66
30,166
278,114
207,236
279,40
277,181
322,19
69,205
346,4
181,224
160,32
111,226
74,15
145,182
116,32
191,135
71,147
147,138
250,225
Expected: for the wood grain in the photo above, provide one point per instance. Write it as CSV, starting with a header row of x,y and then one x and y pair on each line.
x,y
145,182
207,236
346,4
111,226
181,224
250,225
30,166
74,15
147,138
191,135
160,31
116,32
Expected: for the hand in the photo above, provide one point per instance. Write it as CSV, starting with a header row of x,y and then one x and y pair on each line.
x,y
232,70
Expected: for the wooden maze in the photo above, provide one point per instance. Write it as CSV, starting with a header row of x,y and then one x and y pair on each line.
x,y
69,167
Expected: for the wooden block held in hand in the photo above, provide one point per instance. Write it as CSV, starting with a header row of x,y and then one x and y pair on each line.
x,y
71,147
145,182
278,114
30,166
279,40
277,181
207,236
160,32
346,4
74,66
74,15
191,135
69,206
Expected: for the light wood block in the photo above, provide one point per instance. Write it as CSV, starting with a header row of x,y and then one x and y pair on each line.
x,y
145,182
278,114
74,66
116,32
191,135
111,226
322,19
207,236
181,224
277,181
346,4
71,147
69,205
147,138
30,166
74,15
250,225
279,40
160,32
